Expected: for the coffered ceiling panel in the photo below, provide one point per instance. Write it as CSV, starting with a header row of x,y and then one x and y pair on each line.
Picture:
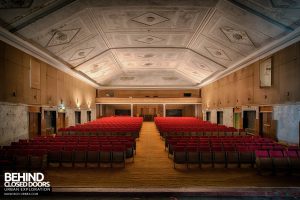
x,y
144,18
148,39
148,58
234,36
213,50
197,67
101,68
151,78
171,43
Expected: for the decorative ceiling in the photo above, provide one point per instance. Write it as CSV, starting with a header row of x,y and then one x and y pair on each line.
x,y
151,43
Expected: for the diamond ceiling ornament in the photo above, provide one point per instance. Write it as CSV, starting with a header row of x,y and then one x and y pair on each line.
x,y
62,37
237,36
81,53
149,39
150,19
218,53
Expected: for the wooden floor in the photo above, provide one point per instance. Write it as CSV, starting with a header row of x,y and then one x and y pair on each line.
x,y
153,169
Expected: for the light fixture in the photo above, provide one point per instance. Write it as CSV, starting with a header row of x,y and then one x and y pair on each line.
x,y
77,104
61,106
89,105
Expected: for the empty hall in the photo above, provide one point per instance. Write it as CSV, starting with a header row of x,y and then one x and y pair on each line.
x,y
150,99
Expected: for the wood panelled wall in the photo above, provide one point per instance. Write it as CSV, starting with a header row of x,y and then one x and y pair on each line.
x,y
25,79
148,93
242,87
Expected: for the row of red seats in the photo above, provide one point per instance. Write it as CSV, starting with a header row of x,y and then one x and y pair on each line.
x,y
245,140
37,159
188,125
274,160
64,149
106,125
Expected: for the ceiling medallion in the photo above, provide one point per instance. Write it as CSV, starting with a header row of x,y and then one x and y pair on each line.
x,y
236,36
150,19
218,53
62,37
149,39
81,53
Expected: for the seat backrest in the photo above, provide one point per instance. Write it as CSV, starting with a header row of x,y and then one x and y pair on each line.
x,y
261,153
291,153
276,154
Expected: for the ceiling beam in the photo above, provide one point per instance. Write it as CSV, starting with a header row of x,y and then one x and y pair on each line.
x,y
29,19
261,15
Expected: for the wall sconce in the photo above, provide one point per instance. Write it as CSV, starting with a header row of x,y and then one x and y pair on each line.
x,y
61,106
77,104
49,100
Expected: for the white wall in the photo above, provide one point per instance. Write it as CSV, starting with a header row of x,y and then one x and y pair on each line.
x,y
14,123
228,117
70,115
213,116
288,117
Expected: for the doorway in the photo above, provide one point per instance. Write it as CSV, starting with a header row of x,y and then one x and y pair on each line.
x,y
89,115
220,117
237,120
77,117
50,119
34,124
249,121
61,120
208,116
265,122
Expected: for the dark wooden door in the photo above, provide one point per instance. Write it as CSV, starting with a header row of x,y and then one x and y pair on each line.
x,y
266,125
34,124
61,120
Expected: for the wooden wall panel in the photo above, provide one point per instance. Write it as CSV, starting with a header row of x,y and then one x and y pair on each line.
x,y
50,84
51,91
13,82
35,74
242,87
288,90
44,84
14,55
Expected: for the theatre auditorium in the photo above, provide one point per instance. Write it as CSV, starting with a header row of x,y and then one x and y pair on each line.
x,y
143,99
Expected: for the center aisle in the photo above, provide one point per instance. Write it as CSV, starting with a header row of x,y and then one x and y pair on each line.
x,y
153,169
